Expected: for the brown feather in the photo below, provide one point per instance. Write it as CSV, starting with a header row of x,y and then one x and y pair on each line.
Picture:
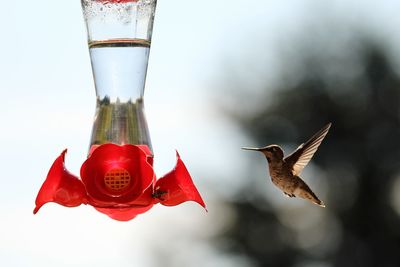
x,y
304,153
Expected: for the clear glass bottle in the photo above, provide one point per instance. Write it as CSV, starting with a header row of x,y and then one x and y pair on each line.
x,y
119,39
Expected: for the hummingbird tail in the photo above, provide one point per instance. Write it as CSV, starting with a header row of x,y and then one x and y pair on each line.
x,y
303,191
320,203
314,199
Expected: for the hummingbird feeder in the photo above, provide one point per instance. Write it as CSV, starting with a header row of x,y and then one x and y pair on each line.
x,y
117,178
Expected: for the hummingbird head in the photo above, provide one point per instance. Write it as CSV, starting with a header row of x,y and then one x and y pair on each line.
x,y
271,152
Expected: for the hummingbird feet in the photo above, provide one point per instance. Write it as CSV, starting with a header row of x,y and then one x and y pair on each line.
x,y
289,195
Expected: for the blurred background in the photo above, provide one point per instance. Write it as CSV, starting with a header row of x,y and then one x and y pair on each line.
x,y
222,75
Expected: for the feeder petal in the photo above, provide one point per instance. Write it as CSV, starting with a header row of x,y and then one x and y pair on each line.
x,y
177,187
61,187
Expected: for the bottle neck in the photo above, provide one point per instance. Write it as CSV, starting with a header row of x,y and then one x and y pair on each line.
x,y
120,123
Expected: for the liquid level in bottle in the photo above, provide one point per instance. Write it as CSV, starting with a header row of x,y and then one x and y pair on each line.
x,y
120,43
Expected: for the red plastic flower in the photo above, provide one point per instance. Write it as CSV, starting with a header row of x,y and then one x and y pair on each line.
x,y
118,181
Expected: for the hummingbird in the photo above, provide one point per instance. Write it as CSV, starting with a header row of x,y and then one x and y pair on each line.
x,y
285,171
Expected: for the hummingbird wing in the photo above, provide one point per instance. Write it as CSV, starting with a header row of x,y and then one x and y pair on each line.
x,y
304,153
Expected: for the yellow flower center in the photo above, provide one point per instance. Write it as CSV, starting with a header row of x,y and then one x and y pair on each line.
x,y
117,179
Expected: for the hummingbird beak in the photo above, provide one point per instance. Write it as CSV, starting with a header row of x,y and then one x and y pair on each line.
x,y
252,148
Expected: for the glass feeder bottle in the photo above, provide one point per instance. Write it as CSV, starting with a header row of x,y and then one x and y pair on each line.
x,y
119,39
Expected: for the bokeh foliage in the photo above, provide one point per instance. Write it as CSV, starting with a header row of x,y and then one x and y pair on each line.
x,y
360,160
